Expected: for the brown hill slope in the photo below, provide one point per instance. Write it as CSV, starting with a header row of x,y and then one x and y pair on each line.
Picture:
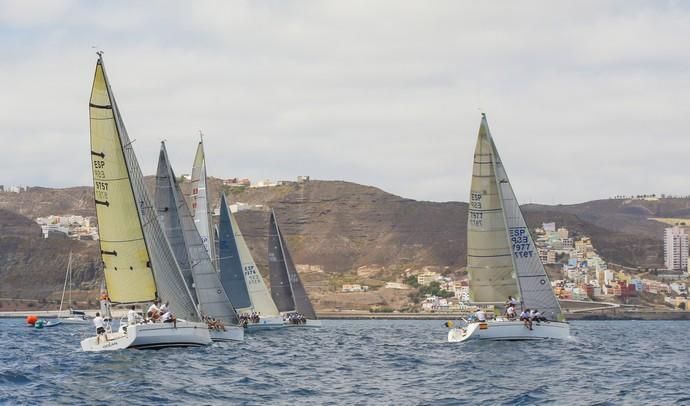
x,y
338,225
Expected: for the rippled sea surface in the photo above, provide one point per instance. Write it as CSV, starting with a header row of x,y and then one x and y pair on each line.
x,y
401,362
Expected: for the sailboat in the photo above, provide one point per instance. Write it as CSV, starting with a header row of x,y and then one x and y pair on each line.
x,y
287,289
75,316
241,277
138,263
501,257
191,255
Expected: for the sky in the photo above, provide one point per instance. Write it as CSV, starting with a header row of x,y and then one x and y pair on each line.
x,y
585,99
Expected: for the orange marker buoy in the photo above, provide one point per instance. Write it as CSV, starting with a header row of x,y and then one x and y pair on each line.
x,y
31,319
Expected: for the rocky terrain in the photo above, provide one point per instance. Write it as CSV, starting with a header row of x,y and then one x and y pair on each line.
x,y
337,226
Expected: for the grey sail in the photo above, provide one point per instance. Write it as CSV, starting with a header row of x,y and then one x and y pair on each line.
x,y
169,280
533,282
177,219
281,291
489,256
299,298
229,263
168,215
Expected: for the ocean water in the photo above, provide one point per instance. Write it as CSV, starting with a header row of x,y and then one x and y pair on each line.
x,y
401,362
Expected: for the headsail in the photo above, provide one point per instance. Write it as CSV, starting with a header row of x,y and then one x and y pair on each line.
x,y
258,293
201,211
133,246
286,286
229,262
535,287
489,256
179,225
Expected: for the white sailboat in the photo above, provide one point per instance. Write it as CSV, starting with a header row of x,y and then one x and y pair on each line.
x,y
287,289
191,254
138,263
501,257
74,316
241,277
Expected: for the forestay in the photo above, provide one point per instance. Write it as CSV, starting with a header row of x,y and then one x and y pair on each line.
x,y
211,297
131,249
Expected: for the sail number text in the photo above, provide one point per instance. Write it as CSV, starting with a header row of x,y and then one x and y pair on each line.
x,y
250,274
476,218
522,247
98,169
476,200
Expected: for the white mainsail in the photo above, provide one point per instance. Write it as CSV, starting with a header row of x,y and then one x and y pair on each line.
x,y
502,258
133,247
258,293
201,211
489,256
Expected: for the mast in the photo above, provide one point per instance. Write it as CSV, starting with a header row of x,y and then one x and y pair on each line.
x,y
68,273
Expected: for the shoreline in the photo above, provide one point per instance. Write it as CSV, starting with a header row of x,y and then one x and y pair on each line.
x,y
617,315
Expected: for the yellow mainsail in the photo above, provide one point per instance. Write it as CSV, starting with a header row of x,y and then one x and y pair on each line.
x,y
126,262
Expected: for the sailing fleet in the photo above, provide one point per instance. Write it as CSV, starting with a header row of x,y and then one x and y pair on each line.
x,y
162,249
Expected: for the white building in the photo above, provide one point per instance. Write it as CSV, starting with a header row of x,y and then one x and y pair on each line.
x,y
396,285
355,288
675,249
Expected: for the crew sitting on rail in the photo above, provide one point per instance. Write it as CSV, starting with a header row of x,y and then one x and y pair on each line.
x,y
538,317
525,317
169,317
154,313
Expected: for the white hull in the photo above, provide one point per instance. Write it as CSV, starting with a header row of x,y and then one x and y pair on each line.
x,y
509,330
74,320
151,336
232,333
266,323
309,323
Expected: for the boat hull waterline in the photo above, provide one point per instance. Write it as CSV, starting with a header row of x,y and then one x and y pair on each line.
x,y
309,323
231,333
509,331
151,336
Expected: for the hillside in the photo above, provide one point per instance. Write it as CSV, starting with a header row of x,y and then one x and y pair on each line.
x,y
337,225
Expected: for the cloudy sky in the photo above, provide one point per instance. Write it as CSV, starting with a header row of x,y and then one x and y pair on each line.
x,y
585,99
